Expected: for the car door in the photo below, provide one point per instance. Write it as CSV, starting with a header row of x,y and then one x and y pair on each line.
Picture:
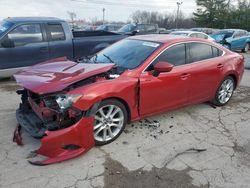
x,y
236,43
241,40
206,69
59,44
30,47
167,90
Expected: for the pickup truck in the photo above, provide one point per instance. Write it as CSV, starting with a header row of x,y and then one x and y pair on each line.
x,y
25,41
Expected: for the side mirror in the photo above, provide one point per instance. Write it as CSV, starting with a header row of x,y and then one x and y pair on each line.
x,y
8,43
162,67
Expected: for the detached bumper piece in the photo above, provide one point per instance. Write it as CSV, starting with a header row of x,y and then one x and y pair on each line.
x,y
59,145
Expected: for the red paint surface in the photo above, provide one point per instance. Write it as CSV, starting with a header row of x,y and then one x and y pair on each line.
x,y
80,134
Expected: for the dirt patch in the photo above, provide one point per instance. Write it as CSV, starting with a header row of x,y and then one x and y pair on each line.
x,y
243,153
9,86
116,175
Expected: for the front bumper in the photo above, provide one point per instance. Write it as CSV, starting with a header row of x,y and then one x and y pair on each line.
x,y
59,145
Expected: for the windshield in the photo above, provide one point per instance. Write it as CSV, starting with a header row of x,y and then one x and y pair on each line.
x,y
4,26
127,28
225,32
101,27
179,33
126,54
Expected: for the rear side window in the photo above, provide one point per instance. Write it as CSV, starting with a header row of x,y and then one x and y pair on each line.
x,y
25,34
199,52
175,55
140,28
56,32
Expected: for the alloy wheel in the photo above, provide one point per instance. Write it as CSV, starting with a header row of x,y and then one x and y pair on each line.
x,y
226,91
109,121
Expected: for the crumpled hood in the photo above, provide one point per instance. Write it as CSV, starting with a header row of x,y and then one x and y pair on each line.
x,y
52,76
218,37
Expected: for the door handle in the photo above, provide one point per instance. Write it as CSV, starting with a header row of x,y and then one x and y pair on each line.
x,y
219,66
185,76
44,49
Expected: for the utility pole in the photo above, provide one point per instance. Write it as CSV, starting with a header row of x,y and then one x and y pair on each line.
x,y
103,15
178,11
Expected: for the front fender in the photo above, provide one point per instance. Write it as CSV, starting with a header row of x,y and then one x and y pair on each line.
x,y
125,89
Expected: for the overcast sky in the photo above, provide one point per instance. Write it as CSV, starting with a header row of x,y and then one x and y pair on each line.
x,y
117,10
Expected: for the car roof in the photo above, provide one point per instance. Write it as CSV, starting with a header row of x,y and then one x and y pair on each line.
x,y
32,19
167,38
188,32
233,30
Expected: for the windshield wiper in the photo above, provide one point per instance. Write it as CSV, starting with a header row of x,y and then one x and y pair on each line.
x,y
111,61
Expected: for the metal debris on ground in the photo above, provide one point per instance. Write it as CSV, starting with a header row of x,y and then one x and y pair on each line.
x,y
151,124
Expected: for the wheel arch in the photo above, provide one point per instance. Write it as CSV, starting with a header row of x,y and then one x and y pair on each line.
x,y
124,103
93,108
235,79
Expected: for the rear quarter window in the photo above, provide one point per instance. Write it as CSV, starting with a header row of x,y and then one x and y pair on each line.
x,y
216,52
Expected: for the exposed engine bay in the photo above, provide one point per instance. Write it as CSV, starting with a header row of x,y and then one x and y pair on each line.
x,y
53,112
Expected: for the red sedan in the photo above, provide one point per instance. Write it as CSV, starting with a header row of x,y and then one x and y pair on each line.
x,y
71,106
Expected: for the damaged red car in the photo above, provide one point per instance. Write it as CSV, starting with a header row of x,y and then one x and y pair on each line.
x,y
72,106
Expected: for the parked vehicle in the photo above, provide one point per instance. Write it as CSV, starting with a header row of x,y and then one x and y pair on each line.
x,y
28,41
139,29
233,39
108,27
69,107
208,31
195,34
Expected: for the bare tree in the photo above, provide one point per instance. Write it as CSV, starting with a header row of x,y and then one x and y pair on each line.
x,y
72,16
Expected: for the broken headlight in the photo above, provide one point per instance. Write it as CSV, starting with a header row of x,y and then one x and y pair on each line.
x,y
65,101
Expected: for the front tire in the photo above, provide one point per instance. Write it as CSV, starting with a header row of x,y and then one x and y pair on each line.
x,y
225,91
110,120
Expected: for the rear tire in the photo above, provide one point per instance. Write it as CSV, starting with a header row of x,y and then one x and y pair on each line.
x,y
225,92
246,49
110,120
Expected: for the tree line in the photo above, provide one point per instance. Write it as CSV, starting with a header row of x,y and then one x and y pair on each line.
x,y
210,13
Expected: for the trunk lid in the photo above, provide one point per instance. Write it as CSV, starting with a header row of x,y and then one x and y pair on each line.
x,y
52,76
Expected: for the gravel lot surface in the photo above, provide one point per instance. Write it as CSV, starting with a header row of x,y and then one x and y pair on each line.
x,y
143,156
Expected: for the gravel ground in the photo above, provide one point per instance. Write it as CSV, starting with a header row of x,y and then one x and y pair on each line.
x,y
197,146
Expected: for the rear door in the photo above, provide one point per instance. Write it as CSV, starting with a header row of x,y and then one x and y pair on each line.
x,y
30,47
60,43
206,69
168,90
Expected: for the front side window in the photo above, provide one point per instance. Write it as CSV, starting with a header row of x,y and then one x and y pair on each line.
x,y
175,55
202,36
25,34
56,32
150,28
199,52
